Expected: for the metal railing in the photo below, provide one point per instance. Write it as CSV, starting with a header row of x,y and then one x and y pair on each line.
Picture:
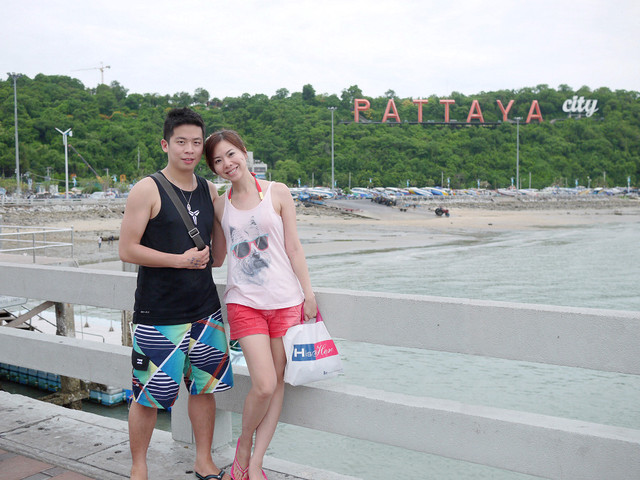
x,y
6,201
31,240
541,445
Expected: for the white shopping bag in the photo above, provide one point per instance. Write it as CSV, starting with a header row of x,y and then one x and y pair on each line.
x,y
311,353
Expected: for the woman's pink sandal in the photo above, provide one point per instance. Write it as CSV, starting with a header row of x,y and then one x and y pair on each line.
x,y
237,472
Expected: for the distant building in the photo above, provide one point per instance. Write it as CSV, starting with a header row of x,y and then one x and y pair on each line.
x,y
260,169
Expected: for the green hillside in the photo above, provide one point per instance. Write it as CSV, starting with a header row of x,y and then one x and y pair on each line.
x,y
291,132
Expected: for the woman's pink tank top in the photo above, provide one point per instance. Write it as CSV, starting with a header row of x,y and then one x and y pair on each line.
x,y
259,273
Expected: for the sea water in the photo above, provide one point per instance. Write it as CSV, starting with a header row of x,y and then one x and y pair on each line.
x,y
590,266
593,266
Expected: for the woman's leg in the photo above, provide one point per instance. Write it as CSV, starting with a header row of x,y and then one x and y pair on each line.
x,y
258,354
269,422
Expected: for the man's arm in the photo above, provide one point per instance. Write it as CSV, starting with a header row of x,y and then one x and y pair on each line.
x,y
143,204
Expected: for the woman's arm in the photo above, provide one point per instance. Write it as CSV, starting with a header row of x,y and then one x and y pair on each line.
x,y
219,243
287,209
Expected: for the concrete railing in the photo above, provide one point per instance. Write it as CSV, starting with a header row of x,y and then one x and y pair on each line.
x,y
540,445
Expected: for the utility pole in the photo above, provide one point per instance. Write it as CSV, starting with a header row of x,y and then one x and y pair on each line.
x,y
333,183
65,141
518,152
15,76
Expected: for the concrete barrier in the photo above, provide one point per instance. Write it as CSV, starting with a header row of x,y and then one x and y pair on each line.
x,y
541,445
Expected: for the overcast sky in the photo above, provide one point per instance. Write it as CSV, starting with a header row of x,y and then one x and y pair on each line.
x,y
416,48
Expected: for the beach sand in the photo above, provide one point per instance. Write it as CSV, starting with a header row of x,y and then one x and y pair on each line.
x,y
354,225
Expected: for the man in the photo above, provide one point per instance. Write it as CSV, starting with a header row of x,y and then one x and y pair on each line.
x,y
179,330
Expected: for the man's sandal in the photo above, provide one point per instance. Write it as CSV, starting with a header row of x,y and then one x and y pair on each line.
x,y
210,477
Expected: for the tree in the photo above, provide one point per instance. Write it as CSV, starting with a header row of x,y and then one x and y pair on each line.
x,y
308,94
291,132
349,95
119,91
200,96
282,93
181,99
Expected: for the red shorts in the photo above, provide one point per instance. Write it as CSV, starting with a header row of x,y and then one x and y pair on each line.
x,y
245,320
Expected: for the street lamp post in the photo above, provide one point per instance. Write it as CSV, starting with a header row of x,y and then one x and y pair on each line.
x,y
15,116
333,183
518,152
67,133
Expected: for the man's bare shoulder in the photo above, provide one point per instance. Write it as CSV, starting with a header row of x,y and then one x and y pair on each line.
x,y
144,192
144,185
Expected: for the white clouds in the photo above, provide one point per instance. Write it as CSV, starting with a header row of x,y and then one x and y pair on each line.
x,y
416,48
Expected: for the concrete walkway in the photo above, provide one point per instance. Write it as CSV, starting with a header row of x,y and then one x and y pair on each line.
x,y
40,441
19,467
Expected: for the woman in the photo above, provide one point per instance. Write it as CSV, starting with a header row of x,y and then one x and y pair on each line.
x,y
268,288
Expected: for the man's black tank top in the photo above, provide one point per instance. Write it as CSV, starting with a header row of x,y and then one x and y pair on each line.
x,y
171,296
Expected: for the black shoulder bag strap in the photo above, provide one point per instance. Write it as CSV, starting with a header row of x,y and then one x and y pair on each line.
x,y
194,233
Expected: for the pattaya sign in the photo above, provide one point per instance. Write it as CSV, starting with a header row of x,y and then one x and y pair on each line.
x,y
475,112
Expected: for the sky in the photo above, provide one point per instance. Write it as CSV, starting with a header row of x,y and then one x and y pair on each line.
x,y
415,48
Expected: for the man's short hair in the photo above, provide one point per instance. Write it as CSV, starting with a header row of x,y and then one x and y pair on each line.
x,y
181,116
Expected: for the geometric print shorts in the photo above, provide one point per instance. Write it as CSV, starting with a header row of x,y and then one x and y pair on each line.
x,y
163,355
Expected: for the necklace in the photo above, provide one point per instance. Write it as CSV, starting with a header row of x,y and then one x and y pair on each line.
x,y
194,214
185,198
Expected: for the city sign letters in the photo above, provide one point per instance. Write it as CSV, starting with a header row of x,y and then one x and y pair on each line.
x,y
579,106
475,113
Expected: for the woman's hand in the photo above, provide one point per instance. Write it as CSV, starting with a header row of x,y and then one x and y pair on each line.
x,y
310,308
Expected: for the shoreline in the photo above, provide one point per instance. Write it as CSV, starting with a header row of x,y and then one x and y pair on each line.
x,y
357,224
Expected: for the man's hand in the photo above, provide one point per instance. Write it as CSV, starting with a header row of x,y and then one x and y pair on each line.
x,y
195,259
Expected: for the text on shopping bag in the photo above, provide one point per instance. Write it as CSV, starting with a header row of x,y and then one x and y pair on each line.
x,y
305,352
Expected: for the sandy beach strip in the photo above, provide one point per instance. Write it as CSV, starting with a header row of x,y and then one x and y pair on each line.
x,y
355,225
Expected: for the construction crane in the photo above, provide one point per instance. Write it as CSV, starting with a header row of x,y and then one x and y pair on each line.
x,y
101,68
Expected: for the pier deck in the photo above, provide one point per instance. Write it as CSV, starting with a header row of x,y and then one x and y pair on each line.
x,y
40,441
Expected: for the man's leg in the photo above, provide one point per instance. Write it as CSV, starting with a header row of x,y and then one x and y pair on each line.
x,y
202,413
207,369
142,420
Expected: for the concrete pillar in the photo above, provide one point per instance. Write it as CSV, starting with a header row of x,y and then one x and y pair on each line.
x,y
181,430
65,320
127,317
72,390
125,324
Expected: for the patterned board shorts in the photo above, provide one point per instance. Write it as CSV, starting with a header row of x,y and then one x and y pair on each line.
x,y
163,355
